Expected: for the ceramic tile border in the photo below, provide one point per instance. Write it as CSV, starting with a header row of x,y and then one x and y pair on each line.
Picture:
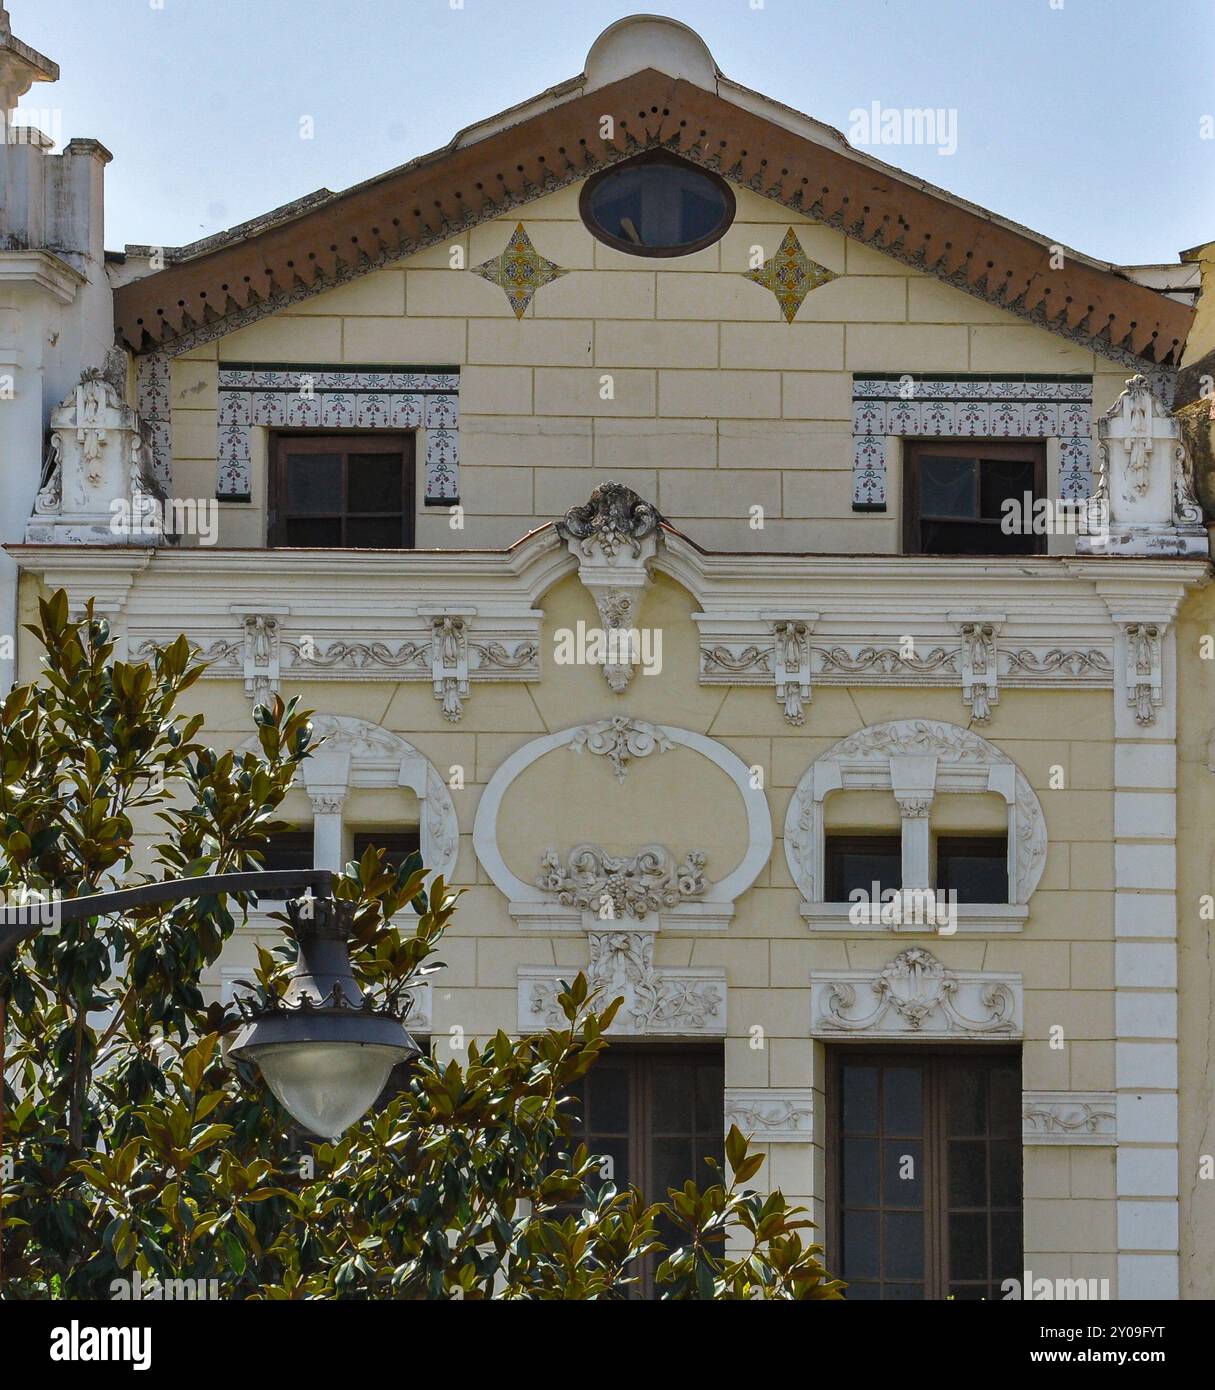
x,y
958,407
155,414
339,398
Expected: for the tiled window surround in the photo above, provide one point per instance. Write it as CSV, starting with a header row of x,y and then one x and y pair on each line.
x,y
331,398
892,405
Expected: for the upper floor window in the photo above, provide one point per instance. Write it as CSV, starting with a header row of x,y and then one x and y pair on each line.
x,y
657,205
974,867
339,491
289,850
859,861
397,845
954,495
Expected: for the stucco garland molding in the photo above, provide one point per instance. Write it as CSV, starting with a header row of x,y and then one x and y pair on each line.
x,y
956,759
770,1114
532,906
1069,1117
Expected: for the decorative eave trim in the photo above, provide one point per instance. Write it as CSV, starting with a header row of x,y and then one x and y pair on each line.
x,y
444,194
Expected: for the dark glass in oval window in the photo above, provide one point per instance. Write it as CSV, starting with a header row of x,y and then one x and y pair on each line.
x,y
657,205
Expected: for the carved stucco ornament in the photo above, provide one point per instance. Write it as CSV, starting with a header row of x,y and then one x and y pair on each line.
x,y
1069,1117
620,738
613,886
657,1001
1144,480
614,536
915,994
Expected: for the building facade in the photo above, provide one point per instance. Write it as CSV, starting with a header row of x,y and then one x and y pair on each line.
x,y
627,487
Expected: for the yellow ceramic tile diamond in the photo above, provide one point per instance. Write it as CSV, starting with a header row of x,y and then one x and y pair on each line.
x,y
791,275
520,270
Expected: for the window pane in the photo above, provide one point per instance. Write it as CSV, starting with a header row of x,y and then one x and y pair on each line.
x,y
293,849
901,1293
860,1086
903,1173
614,1153
1005,1085
1006,1172
1001,478
325,532
608,1099
860,1230
967,1101
710,1099
968,1246
673,1163
373,483
976,870
314,483
903,1100
860,1173
947,486
673,1100
397,845
967,1173
854,862
903,1246
1006,1246
373,532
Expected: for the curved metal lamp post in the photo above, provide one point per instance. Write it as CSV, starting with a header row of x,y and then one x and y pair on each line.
x,y
323,1049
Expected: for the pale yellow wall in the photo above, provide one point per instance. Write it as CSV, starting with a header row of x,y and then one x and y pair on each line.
x,y
720,405
1065,954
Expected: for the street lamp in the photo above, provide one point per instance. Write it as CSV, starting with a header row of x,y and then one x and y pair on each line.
x,y
322,1048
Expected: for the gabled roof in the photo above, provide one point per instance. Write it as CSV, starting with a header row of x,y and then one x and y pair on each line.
x,y
691,110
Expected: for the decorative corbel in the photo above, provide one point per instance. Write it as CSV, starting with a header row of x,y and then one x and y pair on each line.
x,y
791,665
1144,670
449,663
260,661
614,537
979,661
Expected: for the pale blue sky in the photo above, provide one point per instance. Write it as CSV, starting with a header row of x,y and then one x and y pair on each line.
x,y
1079,118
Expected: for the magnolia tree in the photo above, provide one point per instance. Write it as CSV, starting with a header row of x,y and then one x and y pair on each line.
x,y
135,1152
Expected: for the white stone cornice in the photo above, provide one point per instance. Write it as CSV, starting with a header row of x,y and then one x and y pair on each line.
x,y
40,270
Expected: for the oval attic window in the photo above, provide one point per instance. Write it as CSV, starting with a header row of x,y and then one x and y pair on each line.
x,y
657,205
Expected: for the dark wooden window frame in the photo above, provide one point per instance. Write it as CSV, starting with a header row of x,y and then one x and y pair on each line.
x,y
936,1276
344,442
641,1132
836,846
1013,451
